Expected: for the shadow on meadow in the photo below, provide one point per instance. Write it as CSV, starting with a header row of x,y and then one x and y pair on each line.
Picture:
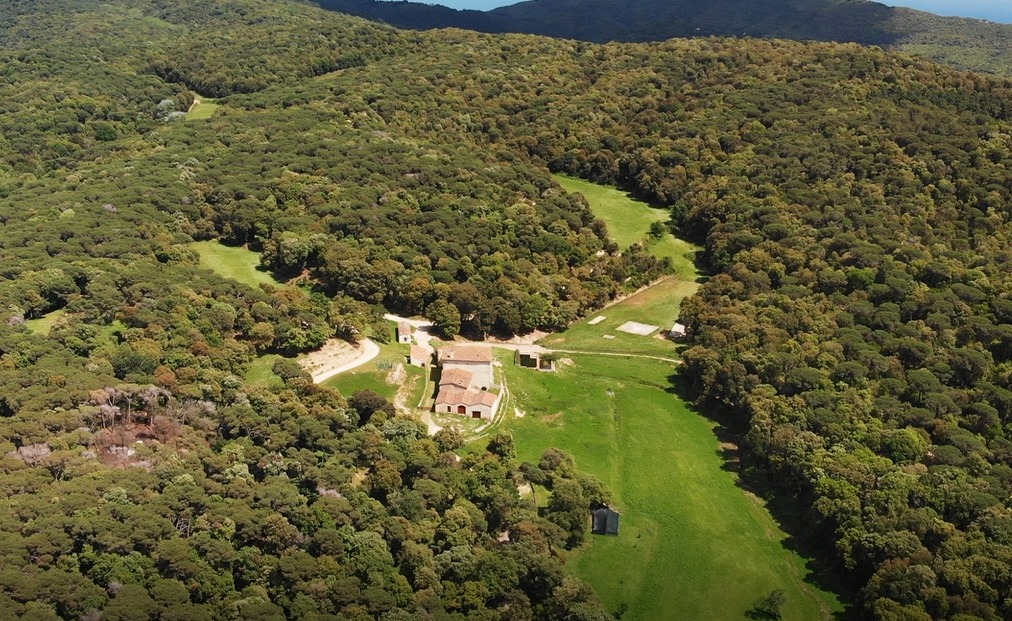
x,y
783,504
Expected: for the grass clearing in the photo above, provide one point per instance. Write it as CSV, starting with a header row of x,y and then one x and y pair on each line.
x,y
203,109
380,375
657,305
109,332
261,371
44,325
232,262
693,545
629,221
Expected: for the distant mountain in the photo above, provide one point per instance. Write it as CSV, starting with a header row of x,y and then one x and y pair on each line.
x,y
648,20
971,44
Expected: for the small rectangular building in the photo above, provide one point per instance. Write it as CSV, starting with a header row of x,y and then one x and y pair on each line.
x,y
534,359
677,331
419,356
604,521
404,332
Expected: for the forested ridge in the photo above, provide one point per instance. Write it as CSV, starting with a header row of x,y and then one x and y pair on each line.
x,y
973,44
853,210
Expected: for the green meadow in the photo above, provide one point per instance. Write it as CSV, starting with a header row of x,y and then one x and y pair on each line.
x,y
233,262
44,324
203,110
656,305
629,221
261,371
692,544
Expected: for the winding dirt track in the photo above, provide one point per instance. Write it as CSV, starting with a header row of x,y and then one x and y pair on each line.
x,y
337,357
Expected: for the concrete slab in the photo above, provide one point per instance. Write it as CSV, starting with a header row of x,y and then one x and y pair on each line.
x,y
637,328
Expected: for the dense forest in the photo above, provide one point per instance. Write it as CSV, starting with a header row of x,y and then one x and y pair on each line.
x,y
852,204
973,44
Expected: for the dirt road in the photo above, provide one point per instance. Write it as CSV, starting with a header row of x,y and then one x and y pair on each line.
x,y
337,356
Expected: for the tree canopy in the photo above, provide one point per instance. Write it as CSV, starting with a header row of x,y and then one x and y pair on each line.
x,y
852,205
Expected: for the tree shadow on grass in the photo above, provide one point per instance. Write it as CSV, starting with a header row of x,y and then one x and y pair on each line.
x,y
787,510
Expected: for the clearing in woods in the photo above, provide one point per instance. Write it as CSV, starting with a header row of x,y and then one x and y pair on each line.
x,y
657,305
233,262
629,222
692,544
44,324
387,375
202,109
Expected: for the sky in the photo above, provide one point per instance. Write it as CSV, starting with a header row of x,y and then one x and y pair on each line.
x,y
994,10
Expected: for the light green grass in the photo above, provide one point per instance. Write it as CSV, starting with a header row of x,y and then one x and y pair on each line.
x,y
235,263
203,110
374,376
629,221
108,332
43,325
658,305
261,371
693,545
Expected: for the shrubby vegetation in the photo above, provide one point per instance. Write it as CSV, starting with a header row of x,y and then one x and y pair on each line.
x,y
852,205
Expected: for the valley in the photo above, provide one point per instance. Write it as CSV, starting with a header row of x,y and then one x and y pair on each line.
x,y
824,228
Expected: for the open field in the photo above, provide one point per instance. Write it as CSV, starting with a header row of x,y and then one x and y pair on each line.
x,y
44,324
693,545
231,262
629,221
203,109
380,375
656,305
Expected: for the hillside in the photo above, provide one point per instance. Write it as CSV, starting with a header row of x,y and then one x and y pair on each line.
x,y
853,335
971,44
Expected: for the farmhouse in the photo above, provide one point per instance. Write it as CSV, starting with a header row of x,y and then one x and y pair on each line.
x,y
404,332
474,358
465,383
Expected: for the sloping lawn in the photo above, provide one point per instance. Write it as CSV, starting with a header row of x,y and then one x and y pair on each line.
x,y
44,324
232,262
629,221
692,544
376,375
203,110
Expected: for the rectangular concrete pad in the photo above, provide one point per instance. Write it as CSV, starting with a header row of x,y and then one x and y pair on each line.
x,y
596,320
637,328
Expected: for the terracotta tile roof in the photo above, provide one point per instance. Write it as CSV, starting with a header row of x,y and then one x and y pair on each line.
x,y
403,327
466,353
456,396
449,396
419,353
456,377
486,398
